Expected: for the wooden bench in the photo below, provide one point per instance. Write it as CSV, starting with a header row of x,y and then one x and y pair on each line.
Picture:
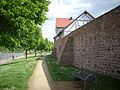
x,y
85,75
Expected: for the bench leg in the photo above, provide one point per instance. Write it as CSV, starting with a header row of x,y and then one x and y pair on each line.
x,y
84,84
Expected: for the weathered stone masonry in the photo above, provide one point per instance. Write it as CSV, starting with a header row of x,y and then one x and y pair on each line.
x,y
94,46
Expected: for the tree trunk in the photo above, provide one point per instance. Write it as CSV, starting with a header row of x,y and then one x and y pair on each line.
x,y
35,52
26,53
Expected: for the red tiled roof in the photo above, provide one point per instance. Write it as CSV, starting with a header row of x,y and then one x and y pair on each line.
x,y
63,22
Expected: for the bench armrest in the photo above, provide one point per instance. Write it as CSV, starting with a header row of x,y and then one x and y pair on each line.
x,y
88,76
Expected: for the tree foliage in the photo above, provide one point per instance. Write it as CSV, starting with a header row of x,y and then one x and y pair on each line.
x,y
19,20
46,45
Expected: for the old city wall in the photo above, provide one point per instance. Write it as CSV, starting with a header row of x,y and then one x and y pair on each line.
x,y
64,45
94,46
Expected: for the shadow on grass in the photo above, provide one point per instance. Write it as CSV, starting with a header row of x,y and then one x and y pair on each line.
x,y
19,61
37,58
11,62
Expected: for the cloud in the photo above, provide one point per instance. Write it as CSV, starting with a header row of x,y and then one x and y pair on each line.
x,y
68,8
48,30
60,8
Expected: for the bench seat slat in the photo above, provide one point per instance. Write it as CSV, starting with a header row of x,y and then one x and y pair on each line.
x,y
83,76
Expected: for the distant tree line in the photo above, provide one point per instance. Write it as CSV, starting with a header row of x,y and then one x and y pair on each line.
x,y
46,45
20,25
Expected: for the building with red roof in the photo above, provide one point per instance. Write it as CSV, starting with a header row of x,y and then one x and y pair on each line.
x,y
67,25
62,23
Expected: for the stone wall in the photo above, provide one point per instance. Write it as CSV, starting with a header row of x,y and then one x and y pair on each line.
x,y
94,46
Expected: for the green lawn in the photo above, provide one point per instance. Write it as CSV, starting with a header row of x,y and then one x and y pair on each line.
x,y
15,75
60,73
64,73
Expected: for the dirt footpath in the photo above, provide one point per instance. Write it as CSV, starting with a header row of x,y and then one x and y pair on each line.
x,y
38,80
41,80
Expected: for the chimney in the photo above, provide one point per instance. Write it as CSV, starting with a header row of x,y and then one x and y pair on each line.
x,y
70,18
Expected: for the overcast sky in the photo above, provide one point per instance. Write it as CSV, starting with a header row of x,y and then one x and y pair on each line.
x,y
73,8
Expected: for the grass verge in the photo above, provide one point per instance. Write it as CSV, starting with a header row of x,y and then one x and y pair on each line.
x,y
64,73
60,73
15,75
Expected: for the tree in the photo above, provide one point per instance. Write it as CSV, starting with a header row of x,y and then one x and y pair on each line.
x,y
19,20
31,39
41,47
46,45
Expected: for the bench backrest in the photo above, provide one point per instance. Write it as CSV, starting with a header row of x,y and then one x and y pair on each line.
x,y
85,74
